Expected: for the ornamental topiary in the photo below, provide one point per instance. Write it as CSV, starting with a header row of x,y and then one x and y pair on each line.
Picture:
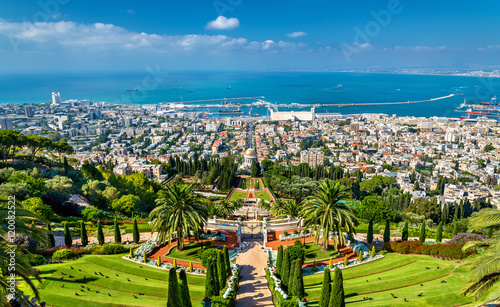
x,y
174,264
190,266
209,254
373,251
158,261
330,264
360,256
346,261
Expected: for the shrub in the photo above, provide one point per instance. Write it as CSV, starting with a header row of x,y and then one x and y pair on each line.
x,y
208,254
64,254
330,264
387,231
108,249
279,260
421,236
174,295
346,261
373,251
404,234
158,261
296,252
190,266
35,259
209,232
463,238
295,232
439,233
453,251
315,267
360,256
218,233
369,235
285,233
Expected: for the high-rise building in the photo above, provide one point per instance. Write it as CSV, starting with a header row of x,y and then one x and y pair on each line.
x,y
73,132
28,111
56,98
128,121
354,127
312,157
6,123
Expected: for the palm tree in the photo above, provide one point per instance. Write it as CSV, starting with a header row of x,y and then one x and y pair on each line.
x,y
178,209
324,209
23,225
485,267
289,207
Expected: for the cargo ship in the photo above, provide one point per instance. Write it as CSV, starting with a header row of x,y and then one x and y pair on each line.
x,y
470,111
490,103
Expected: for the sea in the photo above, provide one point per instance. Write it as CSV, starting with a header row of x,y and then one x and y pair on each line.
x,y
302,89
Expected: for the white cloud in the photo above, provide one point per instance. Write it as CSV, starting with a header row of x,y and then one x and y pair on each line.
x,y
296,34
415,48
102,37
223,23
130,11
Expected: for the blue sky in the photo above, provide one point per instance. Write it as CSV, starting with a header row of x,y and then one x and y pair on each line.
x,y
62,35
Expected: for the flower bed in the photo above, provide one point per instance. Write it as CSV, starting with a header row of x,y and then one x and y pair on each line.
x,y
213,236
453,251
357,247
293,236
147,247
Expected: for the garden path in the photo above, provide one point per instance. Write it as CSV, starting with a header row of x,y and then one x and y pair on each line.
x,y
253,289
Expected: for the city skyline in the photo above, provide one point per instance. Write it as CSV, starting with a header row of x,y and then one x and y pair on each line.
x,y
59,35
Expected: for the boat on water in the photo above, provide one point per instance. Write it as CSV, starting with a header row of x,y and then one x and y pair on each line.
x,y
191,91
470,111
234,111
228,88
132,90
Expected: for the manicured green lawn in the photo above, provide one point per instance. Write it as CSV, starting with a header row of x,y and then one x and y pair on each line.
x,y
403,275
238,194
189,253
314,252
263,195
150,281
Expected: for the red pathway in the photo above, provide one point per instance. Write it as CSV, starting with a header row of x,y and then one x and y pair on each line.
x,y
231,242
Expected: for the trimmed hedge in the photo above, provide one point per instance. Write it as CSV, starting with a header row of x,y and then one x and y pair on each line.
x,y
64,254
453,251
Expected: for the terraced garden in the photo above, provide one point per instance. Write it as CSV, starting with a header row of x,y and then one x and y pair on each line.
x,y
405,277
121,280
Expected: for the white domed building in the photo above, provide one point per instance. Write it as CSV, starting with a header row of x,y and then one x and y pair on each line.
x,y
248,157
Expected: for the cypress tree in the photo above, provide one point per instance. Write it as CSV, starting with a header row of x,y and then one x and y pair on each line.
x,y
330,264
421,236
455,229
210,281
215,276
83,234
131,254
174,264
291,279
404,234
387,231
221,268
324,299
190,266
144,257
285,268
52,241
439,233
135,235
369,235
346,261
100,234
118,236
337,293
174,295
68,241
184,289
226,261
279,260
298,283
158,261
489,232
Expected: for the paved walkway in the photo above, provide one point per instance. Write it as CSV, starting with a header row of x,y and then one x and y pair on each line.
x,y
253,289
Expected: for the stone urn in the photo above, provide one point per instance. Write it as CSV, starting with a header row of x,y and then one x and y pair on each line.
x,y
302,303
206,302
